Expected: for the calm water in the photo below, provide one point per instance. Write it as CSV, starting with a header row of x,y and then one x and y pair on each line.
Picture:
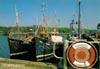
x,y
4,47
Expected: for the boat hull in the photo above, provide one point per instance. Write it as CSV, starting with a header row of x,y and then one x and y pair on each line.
x,y
21,50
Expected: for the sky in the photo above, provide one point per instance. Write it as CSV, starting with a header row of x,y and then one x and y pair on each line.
x,y
30,12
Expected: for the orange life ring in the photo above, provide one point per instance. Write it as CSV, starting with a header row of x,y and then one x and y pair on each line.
x,y
82,54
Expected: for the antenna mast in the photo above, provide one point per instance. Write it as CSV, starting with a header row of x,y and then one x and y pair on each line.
x,y
17,21
43,11
79,23
46,30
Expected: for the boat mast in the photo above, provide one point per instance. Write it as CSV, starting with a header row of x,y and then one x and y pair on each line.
x,y
17,21
43,11
45,30
79,23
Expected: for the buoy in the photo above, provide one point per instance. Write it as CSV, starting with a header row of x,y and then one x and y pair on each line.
x,y
82,54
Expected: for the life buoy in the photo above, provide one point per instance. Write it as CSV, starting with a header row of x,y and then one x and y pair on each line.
x,y
82,54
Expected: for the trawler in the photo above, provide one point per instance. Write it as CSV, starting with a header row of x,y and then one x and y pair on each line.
x,y
37,47
20,48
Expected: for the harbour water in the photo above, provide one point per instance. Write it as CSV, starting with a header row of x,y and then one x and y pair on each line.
x,y
4,48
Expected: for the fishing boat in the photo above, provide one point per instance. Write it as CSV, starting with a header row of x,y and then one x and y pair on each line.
x,y
35,48
21,48
45,42
45,39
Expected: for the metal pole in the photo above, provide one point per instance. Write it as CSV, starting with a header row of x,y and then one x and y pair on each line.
x,y
17,21
64,54
79,29
71,27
